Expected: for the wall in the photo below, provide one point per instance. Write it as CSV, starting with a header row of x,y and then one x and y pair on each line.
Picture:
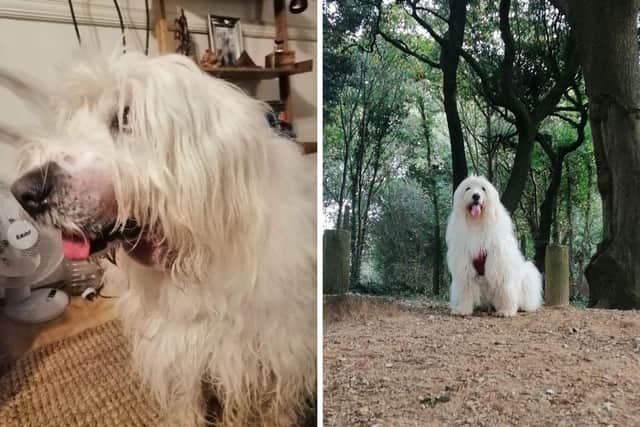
x,y
37,35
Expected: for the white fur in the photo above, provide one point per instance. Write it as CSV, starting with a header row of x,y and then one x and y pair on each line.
x,y
235,313
510,283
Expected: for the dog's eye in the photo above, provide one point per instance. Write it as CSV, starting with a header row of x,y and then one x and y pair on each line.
x,y
467,189
115,121
483,189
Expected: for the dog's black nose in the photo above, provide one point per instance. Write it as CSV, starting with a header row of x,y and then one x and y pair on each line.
x,y
475,197
32,190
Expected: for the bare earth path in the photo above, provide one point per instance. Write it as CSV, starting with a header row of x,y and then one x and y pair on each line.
x,y
411,363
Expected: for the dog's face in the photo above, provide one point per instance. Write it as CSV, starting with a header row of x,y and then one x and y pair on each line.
x,y
68,179
475,198
146,147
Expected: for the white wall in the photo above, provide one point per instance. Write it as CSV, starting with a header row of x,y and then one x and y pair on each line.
x,y
38,35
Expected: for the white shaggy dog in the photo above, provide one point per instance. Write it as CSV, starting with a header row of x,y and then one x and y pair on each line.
x,y
216,216
487,268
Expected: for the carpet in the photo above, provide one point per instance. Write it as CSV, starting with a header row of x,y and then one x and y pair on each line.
x,y
84,380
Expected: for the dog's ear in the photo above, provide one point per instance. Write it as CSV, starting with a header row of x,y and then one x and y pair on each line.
x,y
203,144
456,201
492,204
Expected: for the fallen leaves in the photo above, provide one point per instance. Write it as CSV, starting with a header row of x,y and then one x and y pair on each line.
x,y
432,401
414,364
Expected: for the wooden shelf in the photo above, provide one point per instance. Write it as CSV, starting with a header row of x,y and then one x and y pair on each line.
x,y
309,147
259,73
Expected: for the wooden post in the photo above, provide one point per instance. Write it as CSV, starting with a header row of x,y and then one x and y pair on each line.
x,y
161,28
556,276
280,13
336,265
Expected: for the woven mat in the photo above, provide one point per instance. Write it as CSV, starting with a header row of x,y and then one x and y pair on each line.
x,y
84,380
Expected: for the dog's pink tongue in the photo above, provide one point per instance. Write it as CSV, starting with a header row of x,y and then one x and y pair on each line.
x,y
476,210
75,250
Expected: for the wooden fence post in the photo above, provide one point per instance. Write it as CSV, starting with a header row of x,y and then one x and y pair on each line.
x,y
556,275
336,251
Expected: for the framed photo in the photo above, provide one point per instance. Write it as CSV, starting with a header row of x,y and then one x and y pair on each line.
x,y
225,38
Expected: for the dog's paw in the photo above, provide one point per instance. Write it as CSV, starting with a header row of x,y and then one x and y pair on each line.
x,y
461,313
502,313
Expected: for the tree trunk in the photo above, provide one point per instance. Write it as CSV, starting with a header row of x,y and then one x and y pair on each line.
x,y
450,59
346,219
607,38
346,125
433,190
343,184
363,217
587,224
354,276
569,206
356,166
490,158
521,165
450,49
547,208
437,253
548,222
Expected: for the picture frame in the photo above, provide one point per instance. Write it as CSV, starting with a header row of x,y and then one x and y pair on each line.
x,y
225,39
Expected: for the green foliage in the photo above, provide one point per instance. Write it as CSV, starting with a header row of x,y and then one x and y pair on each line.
x,y
343,22
540,32
400,237
580,301
367,77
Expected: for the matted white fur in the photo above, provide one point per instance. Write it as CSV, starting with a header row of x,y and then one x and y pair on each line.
x,y
230,305
509,283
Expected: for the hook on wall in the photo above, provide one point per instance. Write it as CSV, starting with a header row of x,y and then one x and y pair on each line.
x,y
124,38
146,41
122,29
75,23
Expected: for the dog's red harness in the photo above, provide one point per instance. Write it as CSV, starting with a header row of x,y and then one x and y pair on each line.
x,y
479,262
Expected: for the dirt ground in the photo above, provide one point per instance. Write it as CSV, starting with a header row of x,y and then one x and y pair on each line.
x,y
409,363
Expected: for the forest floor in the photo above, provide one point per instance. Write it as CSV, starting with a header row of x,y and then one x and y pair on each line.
x,y
409,362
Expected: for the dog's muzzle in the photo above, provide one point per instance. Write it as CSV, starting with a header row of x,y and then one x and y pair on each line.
x,y
32,190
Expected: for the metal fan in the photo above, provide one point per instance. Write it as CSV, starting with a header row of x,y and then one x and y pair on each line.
x,y
29,255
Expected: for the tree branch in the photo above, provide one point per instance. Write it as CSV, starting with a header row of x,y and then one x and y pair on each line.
x,y
509,57
511,101
434,13
580,127
549,102
424,24
566,119
483,77
545,142
406,49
